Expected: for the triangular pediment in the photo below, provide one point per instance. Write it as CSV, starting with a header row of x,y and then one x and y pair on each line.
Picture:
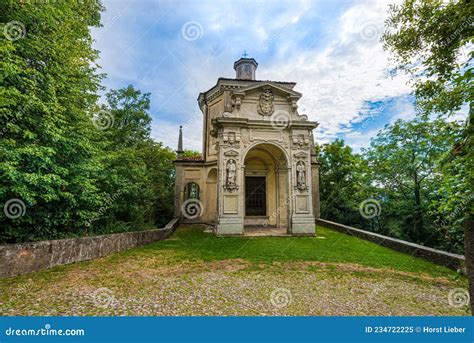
x,y
275,87
301,155
231,153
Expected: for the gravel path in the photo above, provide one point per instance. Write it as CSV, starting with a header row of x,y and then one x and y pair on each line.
x,y
230,287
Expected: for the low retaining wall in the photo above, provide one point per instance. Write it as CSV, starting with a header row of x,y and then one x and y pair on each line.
x,y
452,261
16,259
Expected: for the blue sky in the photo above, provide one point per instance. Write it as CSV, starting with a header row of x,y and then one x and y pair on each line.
x,y
177,49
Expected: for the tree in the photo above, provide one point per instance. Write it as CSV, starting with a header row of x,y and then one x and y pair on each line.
x,y
340,180
139,170
128,109
432,40
403,159
190,153
48,88
71,167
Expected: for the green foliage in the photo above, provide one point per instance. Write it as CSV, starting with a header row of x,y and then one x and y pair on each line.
x,y
48,83
453,204
401,171
341,175
403,159
74,176
190,153
138,169
431,40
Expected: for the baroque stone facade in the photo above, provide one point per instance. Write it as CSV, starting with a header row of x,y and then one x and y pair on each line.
x,y
258,166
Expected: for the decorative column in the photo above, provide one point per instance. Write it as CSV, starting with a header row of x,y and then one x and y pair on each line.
x,y
303,222
231,218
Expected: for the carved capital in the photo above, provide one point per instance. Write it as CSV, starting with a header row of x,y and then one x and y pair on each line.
x,y
231,138
300,140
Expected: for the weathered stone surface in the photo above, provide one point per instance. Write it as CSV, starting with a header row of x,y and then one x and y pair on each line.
x,y
452,261
17,259
251,128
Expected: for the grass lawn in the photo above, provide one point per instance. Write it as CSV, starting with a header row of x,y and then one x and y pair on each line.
x,y
196,273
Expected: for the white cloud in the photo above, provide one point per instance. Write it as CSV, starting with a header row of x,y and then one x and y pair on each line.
x,y
338,80
337,71
402,108
168,132
358,140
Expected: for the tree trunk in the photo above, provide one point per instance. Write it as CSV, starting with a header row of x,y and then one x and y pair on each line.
x,y
469,254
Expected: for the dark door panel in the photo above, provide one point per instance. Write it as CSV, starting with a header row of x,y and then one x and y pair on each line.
x,y
255,196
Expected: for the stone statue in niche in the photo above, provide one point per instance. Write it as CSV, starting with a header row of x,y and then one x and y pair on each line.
x,y
231,171
265,102
227,102
301,176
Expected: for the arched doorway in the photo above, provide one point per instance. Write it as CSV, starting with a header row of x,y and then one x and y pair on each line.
x,y
266,200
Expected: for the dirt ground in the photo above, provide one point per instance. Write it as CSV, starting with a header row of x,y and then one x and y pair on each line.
x,y
151,286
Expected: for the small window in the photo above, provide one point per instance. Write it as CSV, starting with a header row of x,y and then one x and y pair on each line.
x,y
191,190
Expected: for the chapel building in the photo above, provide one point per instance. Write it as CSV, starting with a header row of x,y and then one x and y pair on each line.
x,y
258,167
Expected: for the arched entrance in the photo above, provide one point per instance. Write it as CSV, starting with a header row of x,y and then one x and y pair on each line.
x,y
266,200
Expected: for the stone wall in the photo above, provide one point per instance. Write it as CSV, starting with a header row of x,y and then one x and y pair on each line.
x,y
452,261
16,259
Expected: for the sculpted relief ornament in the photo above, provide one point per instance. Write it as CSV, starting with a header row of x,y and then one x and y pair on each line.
x,y
231,138
265,103
230,180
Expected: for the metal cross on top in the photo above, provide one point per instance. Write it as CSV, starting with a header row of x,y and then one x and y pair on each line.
x,y
244,55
